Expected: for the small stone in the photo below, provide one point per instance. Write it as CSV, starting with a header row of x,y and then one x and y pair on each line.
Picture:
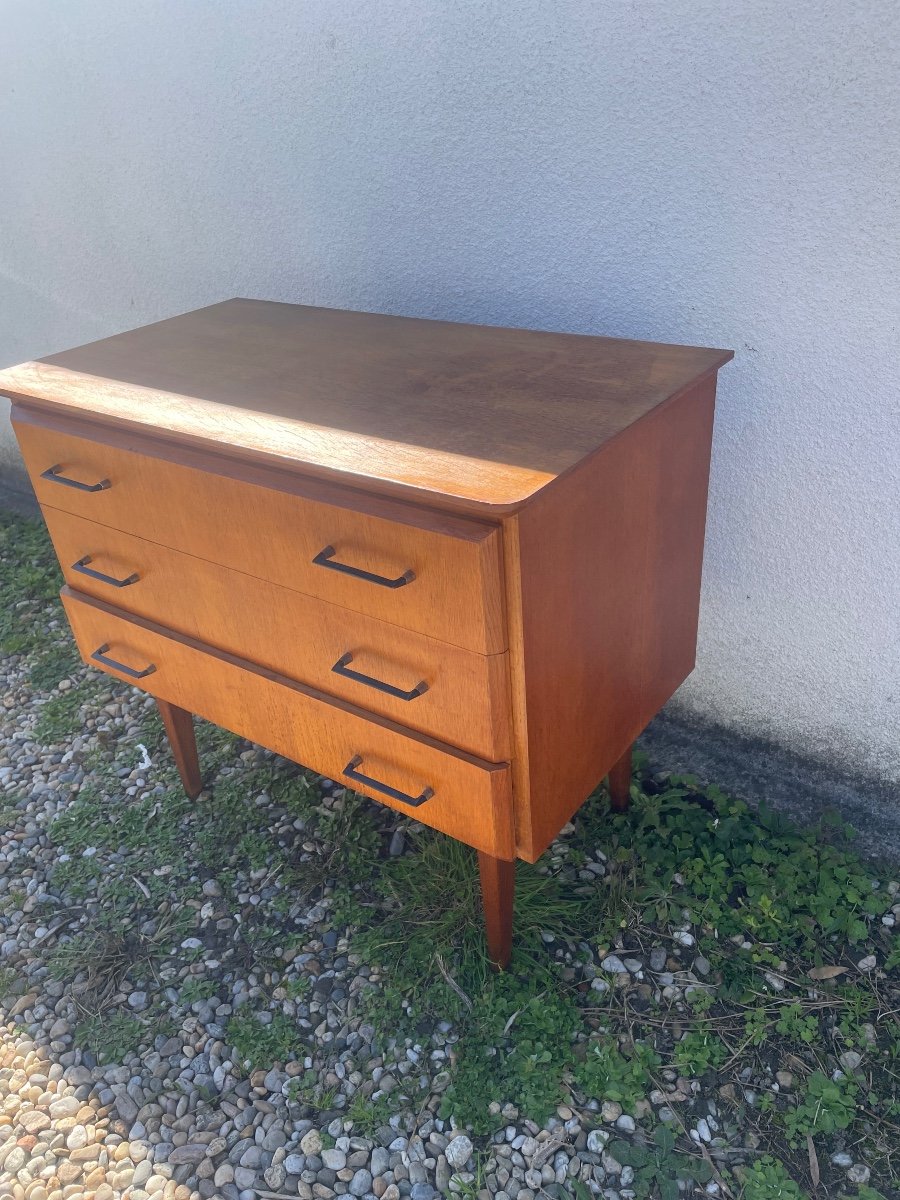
x,y
658,959
869,963
859,1173
702,965
274,1176
335,1160
244,1177
311,1142
610,1111
224,1174
422,1191
189,1153
842,1159
683,938
613,965
634,965
34,1121
459,1151
360,1184
78,1137
442,1174
626,1124
398,844
381,1161
138,1001
596,1141
850,1060
16,1160
295,1164
703,1131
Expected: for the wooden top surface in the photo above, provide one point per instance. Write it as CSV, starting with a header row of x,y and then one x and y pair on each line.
x,y
477,414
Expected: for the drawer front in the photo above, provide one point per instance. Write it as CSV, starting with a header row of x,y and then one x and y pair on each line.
x,y
438,575
453,694
463,796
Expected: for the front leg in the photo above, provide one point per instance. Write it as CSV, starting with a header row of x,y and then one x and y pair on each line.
x,y
498,885
179,724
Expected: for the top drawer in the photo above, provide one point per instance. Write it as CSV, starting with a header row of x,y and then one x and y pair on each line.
x,y
422,570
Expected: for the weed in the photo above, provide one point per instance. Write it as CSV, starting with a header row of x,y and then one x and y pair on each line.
x,y
308,1091
794,1022
827,1105
260,1044
608,1074
369,1115
516,1046
698,1052
767,1179
194,990
299,987
657,1169
109,1035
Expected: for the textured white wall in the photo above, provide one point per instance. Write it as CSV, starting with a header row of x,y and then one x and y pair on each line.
x,y
704,171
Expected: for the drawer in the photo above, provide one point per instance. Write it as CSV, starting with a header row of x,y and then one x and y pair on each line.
x,y
427,571
454,792
453,694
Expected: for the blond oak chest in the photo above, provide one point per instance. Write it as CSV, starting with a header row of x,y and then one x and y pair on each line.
x,y
456,568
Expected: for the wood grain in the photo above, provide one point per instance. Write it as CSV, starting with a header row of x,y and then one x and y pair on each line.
x,y
456,595
470,801
480,414
466,703
604,610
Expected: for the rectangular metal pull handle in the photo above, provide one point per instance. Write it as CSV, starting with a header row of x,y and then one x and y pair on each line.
x,y
325,558
53,474
83,569
100,655
413,801
341,667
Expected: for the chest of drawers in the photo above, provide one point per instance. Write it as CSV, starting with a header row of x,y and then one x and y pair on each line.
x,y
455,567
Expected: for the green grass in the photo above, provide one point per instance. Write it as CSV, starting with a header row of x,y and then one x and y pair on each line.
x,y
29,582
763,900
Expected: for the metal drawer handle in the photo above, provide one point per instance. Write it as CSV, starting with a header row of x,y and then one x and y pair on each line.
x,y
325,558
413,801
341,668
83,569
100,655
53,473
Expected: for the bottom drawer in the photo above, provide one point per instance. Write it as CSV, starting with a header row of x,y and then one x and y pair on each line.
x,y
461,795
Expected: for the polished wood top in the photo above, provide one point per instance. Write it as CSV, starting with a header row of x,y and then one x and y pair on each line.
x,y
478,414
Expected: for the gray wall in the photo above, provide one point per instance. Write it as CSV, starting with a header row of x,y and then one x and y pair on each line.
x,y
687,170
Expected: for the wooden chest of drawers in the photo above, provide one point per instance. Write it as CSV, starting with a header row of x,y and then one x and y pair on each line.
x,y
455,567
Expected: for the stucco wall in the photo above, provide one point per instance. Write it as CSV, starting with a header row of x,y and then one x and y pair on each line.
x,y
704,171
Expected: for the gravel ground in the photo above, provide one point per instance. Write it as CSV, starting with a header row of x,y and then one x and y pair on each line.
x,y
185,1018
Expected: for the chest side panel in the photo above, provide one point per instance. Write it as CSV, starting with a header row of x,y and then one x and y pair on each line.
x,y
603,620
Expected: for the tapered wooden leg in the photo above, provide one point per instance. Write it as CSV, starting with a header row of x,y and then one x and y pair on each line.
x,y
620,782
179,725
498,886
